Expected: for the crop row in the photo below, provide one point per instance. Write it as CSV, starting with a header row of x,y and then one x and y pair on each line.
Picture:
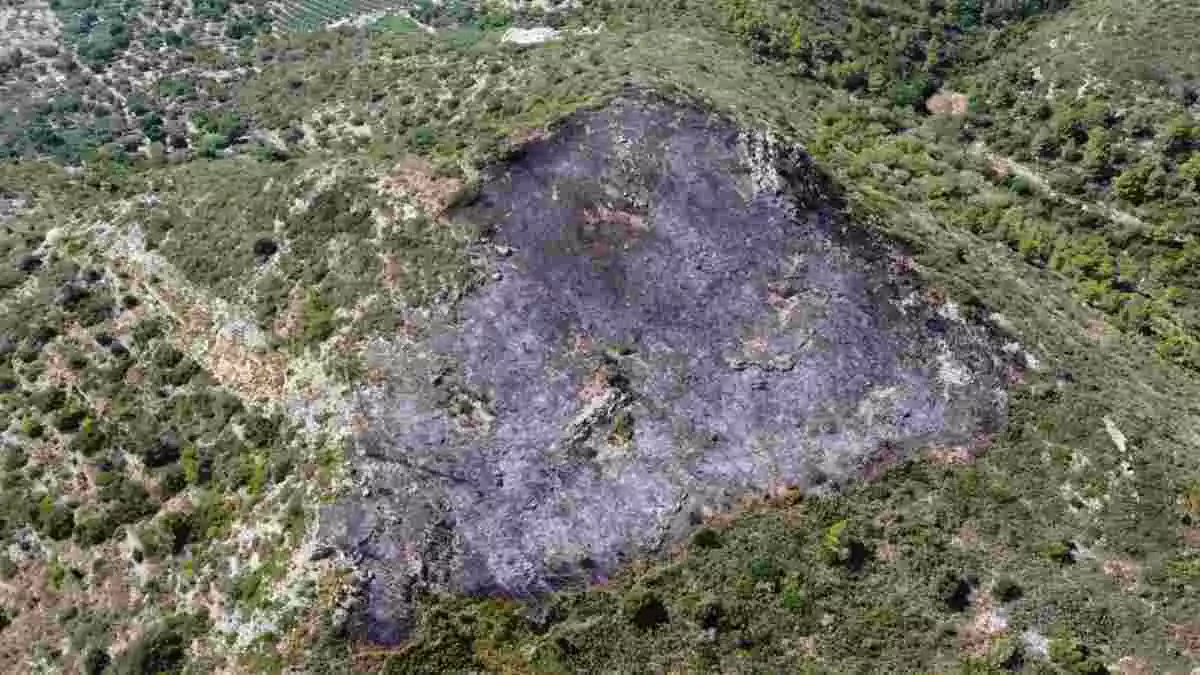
x,y
314,14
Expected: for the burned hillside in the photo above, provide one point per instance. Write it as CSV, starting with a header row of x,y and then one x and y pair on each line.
x,y
678,313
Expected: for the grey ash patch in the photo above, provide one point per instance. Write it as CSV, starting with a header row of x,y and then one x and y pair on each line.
x,y
681,317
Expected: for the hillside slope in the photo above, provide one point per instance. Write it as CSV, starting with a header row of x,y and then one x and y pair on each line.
x,y
689,339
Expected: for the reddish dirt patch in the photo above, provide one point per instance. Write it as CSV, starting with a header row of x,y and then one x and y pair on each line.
x,y
524,136
949,456
903,264
1124,572
1191,537
603,215
980,635
579,344
967,536
292,318
1134,665
38,604
1096,328
418,179
33,623
48,453
391,272
258,375
253,373
1014,376
134,376
1001,168
597,387
58,371
1187,636
196,320
887,552
957,455
885,457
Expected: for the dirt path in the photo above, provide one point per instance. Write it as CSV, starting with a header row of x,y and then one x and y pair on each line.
x,y
1010,166
226,340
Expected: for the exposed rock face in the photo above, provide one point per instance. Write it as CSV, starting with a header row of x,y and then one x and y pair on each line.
x,y
679,317
530,36
10,206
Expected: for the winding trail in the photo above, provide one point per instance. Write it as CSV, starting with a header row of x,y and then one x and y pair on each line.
x,y
1010,166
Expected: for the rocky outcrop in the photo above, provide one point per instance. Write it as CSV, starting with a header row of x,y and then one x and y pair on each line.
x,y
679,315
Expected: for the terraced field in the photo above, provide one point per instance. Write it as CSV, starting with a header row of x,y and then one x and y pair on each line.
x,y
311,15
27,24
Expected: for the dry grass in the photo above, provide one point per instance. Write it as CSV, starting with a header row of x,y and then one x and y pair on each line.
x,y
418,179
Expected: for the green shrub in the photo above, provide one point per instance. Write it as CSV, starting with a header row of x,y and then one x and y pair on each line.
x,y
645,610
422,139
1140,183
317,322
1190,171
161,649
32,427
911,92
211,144
1190,500
1061,552
95,661
1007,590
1181,135
1020,185
88,440
210,9
1073,657
622,428
189,459
839,548
8,568
706,537
15,457
91,530
56,521
764,569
